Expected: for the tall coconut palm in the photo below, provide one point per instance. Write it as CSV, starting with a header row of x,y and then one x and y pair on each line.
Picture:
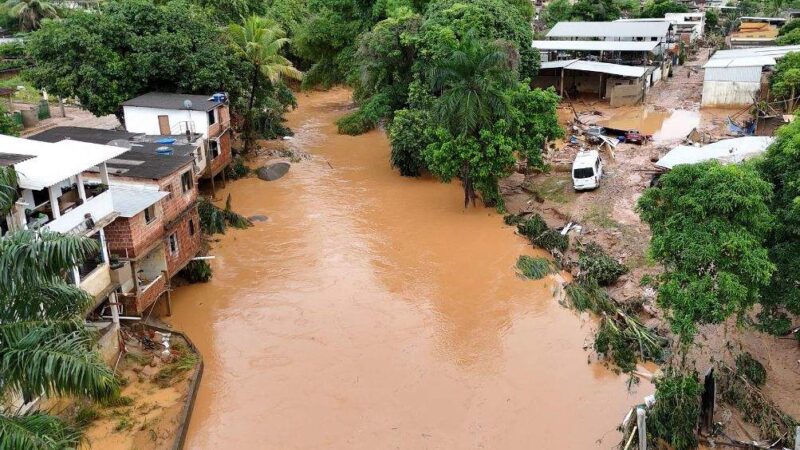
x,y
259,42
30,13
45,349
471,84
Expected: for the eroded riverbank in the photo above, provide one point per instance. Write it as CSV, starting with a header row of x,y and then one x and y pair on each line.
x,y
373,311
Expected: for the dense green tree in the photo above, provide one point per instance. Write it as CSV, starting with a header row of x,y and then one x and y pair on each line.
x,y
712,21
259,41
472,108
595,11
131,47
785,82
781,167
30,13
328,37
45,349
790,38
386,56
657,8
534,121
557,11
709,224
784,30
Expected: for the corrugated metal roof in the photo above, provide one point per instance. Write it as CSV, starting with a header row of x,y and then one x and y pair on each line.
x,y
599,67
130,201
609,29
610,46
748,61
738,74
748,56
726,151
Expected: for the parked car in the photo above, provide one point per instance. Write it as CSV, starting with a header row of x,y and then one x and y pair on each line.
x,y
587,170
634,137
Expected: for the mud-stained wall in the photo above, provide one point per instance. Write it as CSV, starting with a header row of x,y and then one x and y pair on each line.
x,y
729,93
626,95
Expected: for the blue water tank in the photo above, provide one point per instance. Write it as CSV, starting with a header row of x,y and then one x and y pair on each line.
x,y
166,141
165,150
218,97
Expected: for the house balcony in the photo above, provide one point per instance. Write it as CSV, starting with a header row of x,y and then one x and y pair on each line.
x,y
77,217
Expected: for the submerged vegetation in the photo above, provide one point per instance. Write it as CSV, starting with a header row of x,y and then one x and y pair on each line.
x,y
216,220
535,268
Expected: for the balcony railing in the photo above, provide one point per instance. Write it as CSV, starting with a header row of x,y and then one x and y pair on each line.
x,y
77,219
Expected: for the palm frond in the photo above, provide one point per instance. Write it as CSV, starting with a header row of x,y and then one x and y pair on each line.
x,y
36,431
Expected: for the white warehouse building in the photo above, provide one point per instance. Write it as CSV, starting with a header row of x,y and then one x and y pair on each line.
x,y
733,77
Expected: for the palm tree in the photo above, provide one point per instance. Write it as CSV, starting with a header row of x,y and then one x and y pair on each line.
x,y
259,42
30,13
471,84
45,349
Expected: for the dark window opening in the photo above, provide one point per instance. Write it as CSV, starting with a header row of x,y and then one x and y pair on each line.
x,y
214,149
583,172
150,214
187,182
191,227
212,119
173,244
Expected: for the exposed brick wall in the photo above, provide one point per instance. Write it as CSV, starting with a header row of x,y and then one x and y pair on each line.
x,y
188,242
151,295
177,202
225,154
130,237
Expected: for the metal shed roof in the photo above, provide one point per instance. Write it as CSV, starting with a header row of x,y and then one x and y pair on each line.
x,y
130,201
599,67
750,57
609,46
610,29
53,163
725,151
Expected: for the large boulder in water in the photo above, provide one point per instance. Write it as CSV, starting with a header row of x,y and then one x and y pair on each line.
x,y
273,171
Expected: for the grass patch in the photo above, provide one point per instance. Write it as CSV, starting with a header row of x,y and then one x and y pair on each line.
x,y
122,400
535,268
600,215
86,415
170,373
124,423
557,189
751,369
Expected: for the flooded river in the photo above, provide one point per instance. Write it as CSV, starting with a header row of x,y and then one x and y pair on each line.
x,y
373,311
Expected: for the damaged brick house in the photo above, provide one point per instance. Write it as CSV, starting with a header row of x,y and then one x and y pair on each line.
x,y
168,114
157,231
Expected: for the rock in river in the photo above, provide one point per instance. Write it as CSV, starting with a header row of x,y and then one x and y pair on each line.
x,y
273,171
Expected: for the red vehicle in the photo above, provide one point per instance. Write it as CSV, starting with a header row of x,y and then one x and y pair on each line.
x,y
634,137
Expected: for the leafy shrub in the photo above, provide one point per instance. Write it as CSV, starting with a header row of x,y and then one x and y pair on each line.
x,y
197,271
595,263
677,410
587,295
512,219
751,369
532,227
551,240
169,374
237,169
216,220
535,268
408,138
367,117
12,50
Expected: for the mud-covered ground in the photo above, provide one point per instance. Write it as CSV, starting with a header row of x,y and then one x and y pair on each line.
x,y
608,217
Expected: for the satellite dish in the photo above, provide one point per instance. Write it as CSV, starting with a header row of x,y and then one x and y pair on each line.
x,y
187,104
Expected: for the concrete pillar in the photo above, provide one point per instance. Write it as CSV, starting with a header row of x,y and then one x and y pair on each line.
x,y
797,438
81,187
76,275
54,194
112,300
562,82
641,423
103,245
104,174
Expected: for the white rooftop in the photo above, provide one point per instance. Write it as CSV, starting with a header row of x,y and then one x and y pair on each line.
x,y
598,67
749,57
610,29
726,151
130,201
53,163
609,46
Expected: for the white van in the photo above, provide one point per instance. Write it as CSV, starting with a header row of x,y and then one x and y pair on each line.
x,y
587,169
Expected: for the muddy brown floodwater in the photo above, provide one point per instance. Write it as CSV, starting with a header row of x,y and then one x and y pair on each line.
x,y
373,311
